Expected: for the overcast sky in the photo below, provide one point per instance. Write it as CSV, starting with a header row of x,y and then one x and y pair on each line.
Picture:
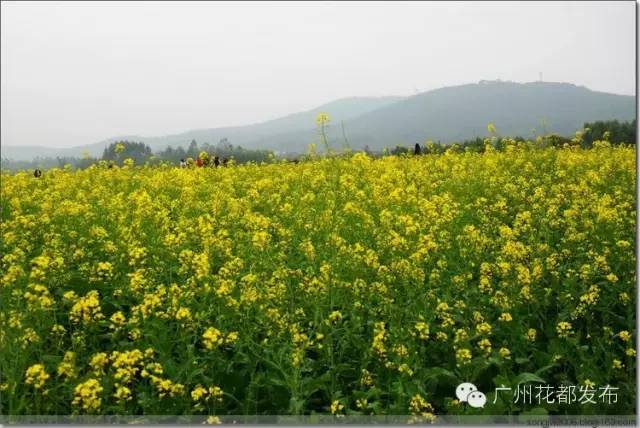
x,y
75,73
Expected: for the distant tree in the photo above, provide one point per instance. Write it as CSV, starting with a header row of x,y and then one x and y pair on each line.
x,y
400,150
555,140
193,150
121,150
475,145
208,151
224,145
179,153
433,148
619,132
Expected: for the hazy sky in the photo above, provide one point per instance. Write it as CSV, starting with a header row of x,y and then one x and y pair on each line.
x,y
75,73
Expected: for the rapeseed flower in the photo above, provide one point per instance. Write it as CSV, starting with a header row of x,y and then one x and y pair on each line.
x,y
87,395
36,375
564,329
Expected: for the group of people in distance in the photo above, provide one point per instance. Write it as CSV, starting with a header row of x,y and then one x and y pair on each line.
x,y
215,162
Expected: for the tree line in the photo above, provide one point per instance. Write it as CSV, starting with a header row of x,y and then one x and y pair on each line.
x,y
117,152
614,131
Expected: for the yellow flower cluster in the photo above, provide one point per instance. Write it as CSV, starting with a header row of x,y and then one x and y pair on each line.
x,y
87,395
118,320
213,338
531,334
166,387
104,271
483,328
463,356
183,314
200,393
98,362
422,330
564,329
127,365
67,366
122,393
86,309
366,379
505,317
379,336
335,316
36,375
505,353
336,407
418,406
387,269
38,296
485,346
624,336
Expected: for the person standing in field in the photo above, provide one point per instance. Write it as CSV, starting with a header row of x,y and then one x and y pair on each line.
x,y
183,164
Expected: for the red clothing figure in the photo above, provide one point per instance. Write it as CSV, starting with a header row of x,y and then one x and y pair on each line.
x,y
199,162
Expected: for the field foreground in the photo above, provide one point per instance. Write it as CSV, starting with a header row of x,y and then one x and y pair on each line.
x,y
344,286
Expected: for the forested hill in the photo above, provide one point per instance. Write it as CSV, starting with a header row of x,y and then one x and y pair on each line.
x,y
447,114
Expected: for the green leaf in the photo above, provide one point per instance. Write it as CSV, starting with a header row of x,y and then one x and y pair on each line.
x,y
527,377
436,372
310,386
544,369
53,359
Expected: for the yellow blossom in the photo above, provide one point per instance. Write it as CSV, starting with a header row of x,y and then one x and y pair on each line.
x,y
531,334
336,407
505,317
624,336
335,316
123,393
67,366
485,345
117,320
463,356
36,375
87,395
86,309
505,353
564,329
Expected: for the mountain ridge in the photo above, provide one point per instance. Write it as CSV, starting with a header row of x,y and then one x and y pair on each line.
x,y
446,114
344,108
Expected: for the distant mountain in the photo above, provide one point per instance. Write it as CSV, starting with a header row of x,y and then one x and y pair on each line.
x,y
447,114
461,112
20,153
248,136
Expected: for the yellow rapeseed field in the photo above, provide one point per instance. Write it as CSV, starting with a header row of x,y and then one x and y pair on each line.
x,y
344,285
